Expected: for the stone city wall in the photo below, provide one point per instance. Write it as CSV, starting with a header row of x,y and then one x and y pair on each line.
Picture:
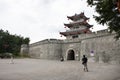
x,y
24,50
46,49
104,47
75,46
101,43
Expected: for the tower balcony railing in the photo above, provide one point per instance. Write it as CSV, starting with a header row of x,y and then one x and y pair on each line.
x,y
75,29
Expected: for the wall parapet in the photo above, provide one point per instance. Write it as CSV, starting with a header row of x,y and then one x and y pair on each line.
x,y
47,41
97,34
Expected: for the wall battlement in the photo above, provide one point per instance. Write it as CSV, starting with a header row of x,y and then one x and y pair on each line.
x,y
97,34
46,41
101,33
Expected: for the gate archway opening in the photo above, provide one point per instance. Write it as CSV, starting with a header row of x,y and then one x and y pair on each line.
x,y
71,55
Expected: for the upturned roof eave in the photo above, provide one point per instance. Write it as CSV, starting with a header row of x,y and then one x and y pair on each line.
x,y
74,32
69,25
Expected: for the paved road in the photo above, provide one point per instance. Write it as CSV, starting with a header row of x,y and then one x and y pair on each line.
x,y
36,69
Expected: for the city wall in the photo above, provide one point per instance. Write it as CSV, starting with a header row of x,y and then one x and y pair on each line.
x,y
100,46
46,49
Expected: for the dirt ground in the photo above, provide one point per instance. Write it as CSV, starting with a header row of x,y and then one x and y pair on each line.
x,y
36,69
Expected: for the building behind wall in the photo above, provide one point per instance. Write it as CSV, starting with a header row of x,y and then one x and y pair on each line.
x,y
99,45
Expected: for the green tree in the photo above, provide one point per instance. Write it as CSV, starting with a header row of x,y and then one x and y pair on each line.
x,y
26,41
11,43
108,14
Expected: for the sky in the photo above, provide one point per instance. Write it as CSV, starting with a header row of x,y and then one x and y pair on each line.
x,y
42,19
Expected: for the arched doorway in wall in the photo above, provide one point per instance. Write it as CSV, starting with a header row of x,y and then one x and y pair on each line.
x,y
71,55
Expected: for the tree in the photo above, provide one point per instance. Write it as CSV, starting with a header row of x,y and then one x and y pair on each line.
x,y
108,14
11,43
26,41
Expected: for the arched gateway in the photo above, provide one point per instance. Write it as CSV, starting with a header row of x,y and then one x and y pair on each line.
x,y
71,55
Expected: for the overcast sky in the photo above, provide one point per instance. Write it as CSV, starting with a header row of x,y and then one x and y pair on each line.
x,y
41,19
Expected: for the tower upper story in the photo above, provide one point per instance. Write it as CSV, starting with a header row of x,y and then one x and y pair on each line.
x,y
79,25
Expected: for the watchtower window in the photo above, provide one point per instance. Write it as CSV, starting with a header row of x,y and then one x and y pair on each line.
x,y
76,27
75,36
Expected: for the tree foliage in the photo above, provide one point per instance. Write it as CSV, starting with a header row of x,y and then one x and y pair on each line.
x,y
108,14
11,43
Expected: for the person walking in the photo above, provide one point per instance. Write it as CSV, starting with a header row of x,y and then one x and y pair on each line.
x,y
62,59
84,62
11,60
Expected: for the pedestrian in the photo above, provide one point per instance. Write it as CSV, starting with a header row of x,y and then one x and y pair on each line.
x,y
84,62
62,59
11,60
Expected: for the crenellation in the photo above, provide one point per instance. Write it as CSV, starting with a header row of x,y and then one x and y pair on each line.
x,y
46,41
103,31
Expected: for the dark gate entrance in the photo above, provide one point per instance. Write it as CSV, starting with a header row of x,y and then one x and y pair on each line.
x,y
71,55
